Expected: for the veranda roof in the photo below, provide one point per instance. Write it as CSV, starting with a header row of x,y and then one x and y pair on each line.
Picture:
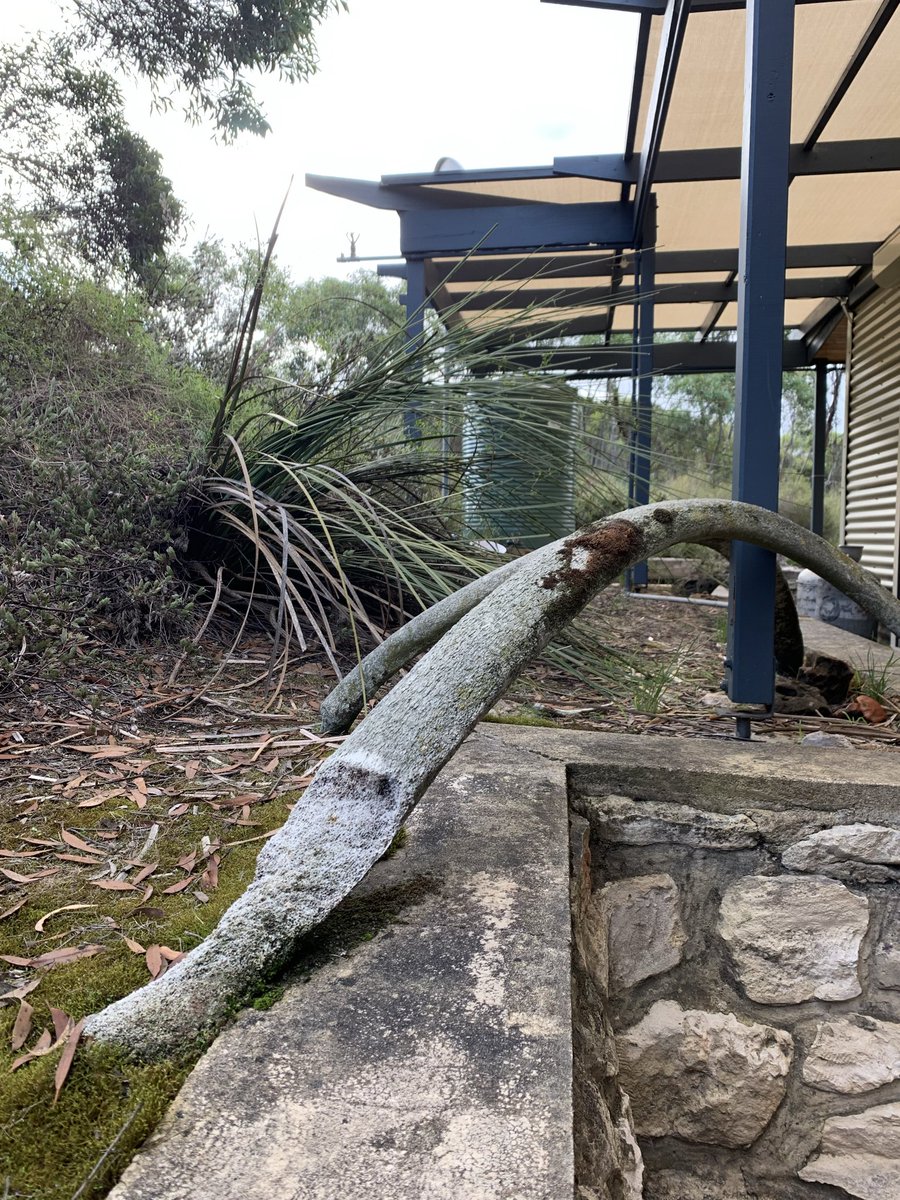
x,y
844,195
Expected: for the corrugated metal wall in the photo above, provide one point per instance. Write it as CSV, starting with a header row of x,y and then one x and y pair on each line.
x,y
873,434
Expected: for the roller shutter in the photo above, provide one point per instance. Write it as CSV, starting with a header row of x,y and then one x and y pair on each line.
x,y
873,434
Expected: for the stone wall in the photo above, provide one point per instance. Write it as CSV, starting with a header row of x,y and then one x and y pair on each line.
x,y
737,985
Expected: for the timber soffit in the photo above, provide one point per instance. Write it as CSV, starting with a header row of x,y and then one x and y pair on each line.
x,y
686,108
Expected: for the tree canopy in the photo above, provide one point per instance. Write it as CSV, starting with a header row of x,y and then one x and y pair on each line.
x,y
68,157
70,160
208,49
309,333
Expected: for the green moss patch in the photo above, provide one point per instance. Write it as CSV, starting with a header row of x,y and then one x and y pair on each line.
x,y
110,1104
80,1145
47,1151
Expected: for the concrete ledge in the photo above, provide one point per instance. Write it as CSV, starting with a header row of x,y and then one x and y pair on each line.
x,y
433,1062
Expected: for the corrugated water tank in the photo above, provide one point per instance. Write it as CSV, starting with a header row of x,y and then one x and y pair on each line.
x,y
519,486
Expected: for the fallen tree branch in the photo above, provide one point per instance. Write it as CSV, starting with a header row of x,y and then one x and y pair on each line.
x,y
345,701
366,790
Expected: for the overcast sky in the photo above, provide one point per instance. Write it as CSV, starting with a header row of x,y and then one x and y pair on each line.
x,y
400,83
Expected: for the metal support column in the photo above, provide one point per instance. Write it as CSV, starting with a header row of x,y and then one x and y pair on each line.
x,y
414,303
750,665
817,505
642,397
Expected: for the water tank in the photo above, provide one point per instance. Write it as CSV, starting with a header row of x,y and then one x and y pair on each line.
x,y
818,598
519,486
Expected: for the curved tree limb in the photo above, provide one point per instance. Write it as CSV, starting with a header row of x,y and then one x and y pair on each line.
x,y
345,701
363,793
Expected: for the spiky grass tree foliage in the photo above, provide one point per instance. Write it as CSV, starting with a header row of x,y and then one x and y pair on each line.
x,y
334,525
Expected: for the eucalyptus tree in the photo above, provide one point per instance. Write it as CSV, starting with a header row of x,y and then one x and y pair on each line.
x,y
210,52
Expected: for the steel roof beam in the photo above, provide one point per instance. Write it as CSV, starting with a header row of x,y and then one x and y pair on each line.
x,y
669,358
674,27
477,175
673,166
515,227
698,166
867,44
678,293
640,62
402,197
483,268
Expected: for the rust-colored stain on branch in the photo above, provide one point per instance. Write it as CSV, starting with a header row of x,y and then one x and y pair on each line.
x,y
608,549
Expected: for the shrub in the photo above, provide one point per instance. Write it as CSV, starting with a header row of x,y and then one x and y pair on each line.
x,y
99,440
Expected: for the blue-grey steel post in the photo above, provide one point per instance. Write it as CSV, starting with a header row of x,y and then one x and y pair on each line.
x,y
817,502
750,665
639,464
414,303
635,375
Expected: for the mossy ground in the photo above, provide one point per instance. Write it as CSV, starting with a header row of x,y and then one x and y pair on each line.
x,y
57,1151
47,1151
109,1104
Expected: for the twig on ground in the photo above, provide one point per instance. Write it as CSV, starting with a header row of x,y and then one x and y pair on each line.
x,y
106,1153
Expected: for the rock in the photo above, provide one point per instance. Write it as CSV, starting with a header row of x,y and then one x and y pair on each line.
x,y
631,1161
644,931
703,1076
860,1152
830,741
853,1054
727,708
887,965
719,593
696,585
794,939
799,699
861,852
649,823
830,675
722,1181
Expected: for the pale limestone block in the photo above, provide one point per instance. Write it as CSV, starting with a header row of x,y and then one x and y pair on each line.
x,y
647,823
853,1054
703,1076
794,938
860,1152
644,930
862,853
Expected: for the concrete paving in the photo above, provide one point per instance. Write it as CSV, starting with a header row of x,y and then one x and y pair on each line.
x,y
858,652
433,1062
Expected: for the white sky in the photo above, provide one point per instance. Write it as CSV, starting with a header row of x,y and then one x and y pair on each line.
x,y
400,83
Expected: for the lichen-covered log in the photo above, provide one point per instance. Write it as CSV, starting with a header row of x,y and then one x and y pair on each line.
x,y
346,701
365,791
